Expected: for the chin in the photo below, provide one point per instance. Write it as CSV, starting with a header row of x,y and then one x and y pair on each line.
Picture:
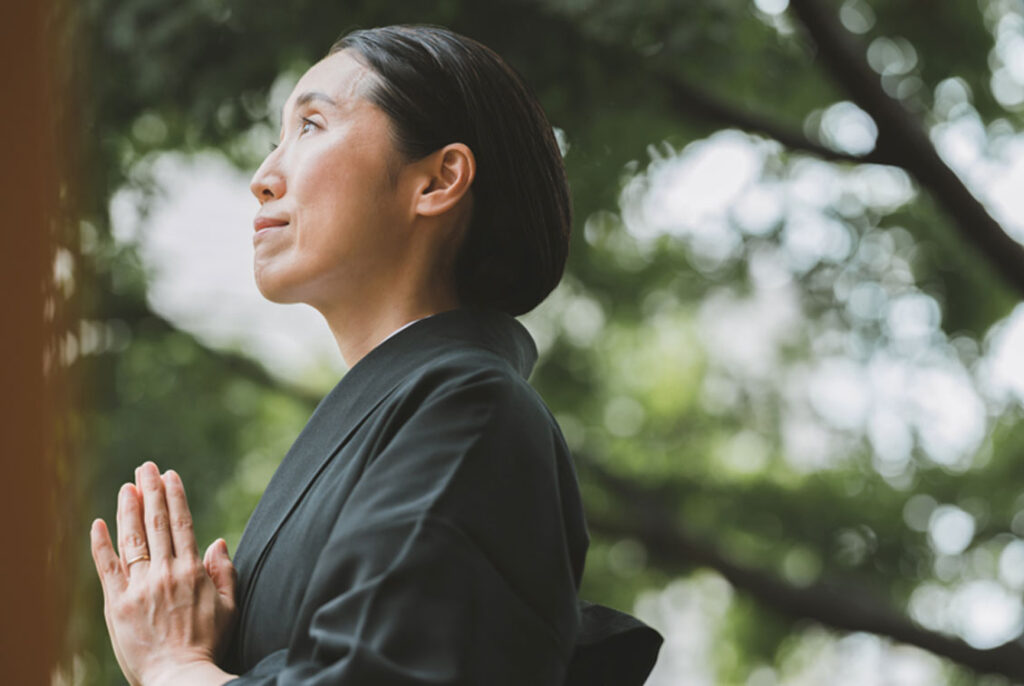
x,y
274,289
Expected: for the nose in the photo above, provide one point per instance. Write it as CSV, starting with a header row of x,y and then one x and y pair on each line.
x,y
268,181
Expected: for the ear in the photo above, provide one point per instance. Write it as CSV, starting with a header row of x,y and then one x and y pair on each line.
x,y
446,178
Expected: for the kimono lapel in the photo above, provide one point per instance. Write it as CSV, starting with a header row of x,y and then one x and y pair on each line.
x,y
332,422
354,397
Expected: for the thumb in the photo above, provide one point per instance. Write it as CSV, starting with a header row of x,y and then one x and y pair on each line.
x,y
219,567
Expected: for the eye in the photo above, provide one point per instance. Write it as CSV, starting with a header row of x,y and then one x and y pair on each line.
x,y
302,129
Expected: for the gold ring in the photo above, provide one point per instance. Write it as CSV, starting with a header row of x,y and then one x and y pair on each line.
x,y
137,558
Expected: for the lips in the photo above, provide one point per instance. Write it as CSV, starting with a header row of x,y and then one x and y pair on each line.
x,y
267,222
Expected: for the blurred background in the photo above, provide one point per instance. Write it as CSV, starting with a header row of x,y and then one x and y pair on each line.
x,y
788,351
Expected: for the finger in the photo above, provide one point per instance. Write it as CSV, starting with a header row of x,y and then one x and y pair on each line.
x,y
182,534
138,488
155,514
131,534
108,565
220,568
208,559
120,528
233,571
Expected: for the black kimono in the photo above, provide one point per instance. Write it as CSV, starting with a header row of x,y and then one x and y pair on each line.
x,y
426,528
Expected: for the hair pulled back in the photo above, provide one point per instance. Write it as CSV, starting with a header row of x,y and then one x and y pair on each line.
x,y
439,87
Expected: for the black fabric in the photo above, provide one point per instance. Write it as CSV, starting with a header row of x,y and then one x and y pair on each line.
x,y
426,528
612,648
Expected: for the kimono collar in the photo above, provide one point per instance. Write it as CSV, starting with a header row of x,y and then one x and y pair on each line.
x,y
493,330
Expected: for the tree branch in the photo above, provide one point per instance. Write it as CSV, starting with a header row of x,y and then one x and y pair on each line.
x,y
690,100
902,138
143,320
843,608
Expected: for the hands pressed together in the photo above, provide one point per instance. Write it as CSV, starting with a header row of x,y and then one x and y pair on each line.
x,y
167,610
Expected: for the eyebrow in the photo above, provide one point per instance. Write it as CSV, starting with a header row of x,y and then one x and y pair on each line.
x,y
308,97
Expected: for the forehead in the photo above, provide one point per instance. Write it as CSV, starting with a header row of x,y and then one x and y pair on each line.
x,y
340,77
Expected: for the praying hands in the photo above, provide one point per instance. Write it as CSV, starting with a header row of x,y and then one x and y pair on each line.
x,y
167,610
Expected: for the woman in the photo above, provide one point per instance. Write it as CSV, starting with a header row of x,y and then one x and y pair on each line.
x,y
426,526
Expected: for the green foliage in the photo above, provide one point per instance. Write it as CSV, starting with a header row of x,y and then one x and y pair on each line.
x,y
627,363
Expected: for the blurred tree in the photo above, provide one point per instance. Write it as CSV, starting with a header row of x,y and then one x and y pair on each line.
x,y
785,378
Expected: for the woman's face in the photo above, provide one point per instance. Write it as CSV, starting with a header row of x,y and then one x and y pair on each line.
x,y
333,215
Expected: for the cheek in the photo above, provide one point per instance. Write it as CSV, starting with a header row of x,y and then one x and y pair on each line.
x,y
332,180
320,171
318,191
343,195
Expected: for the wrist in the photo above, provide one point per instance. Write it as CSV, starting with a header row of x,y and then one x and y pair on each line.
x,y
196,672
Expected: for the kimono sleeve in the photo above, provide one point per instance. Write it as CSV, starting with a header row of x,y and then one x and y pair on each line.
x,y
449,563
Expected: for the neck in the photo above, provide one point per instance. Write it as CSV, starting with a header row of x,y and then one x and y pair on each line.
x,y
410,289
360,327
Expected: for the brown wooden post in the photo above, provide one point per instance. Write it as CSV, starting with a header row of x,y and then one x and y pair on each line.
x,y
30,586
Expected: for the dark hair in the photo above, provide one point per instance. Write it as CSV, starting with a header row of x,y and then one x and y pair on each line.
x,y
439,87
